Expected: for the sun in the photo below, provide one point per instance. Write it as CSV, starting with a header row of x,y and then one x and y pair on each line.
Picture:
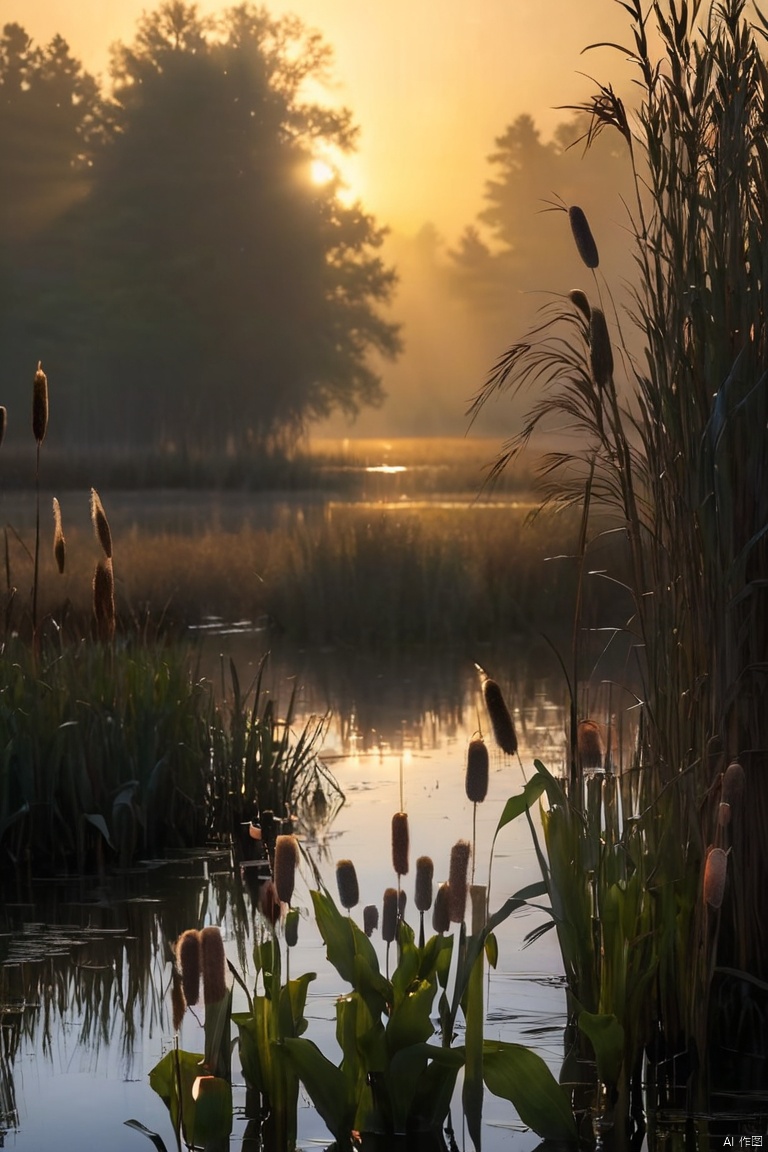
x,y
321,172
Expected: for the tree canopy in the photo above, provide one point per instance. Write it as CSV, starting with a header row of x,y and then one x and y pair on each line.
x,y
194,283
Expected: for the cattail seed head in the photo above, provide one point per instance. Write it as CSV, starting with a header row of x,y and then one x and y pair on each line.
x,y
441,914
214,965
402,900
733,784
178,1002
498,714
476,779
3,421
101,524
286,859
715,871
370,919
477,902
346,879
582,234
104,600
600,352
292,928
188,960
457,880
269,902
400,842
723,815
580,300
59,543
589,744
389,915
425,871
39,404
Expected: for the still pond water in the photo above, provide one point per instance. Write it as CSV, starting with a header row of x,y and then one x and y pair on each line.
x,y
85,966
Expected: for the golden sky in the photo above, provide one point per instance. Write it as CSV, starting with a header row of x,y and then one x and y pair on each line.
x,y
430,82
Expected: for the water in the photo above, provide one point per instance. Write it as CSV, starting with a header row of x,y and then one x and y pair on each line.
x,y
86,1010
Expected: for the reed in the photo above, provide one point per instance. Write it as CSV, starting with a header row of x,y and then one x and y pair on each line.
x,y
582,235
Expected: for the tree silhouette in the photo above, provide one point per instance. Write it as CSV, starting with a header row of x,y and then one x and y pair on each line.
x,y
234,297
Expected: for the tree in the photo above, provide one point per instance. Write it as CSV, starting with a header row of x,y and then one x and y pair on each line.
x,y
234,298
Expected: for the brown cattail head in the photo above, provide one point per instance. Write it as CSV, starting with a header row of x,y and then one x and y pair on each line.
x,y
370,919
269,902
39,404
400,842
188,960
723,815
441,915
600,351
457,880
425,871
101,524
733,784
286,859
178,1002
503,729
402,900
478,903
580,300
3,421
292,928
104,600
715,871
582,234
214,965
346,879
59,543
589,743
389,915
476,779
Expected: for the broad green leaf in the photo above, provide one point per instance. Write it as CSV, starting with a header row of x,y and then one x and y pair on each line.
x,y
516,805
410,1021
99,822
212,1122
343,939
326,1085
178,1066
520,1076
606,1036
422,1079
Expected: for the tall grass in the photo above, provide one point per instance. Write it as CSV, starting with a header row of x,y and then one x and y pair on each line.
x,y
673,443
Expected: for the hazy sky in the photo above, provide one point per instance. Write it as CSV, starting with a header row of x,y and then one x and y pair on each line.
x,y
431,82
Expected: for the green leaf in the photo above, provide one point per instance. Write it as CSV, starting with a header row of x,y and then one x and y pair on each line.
x,y
520,1076
492,949
326,1084
516,805
606,1036
156,1139
99,822
178,1067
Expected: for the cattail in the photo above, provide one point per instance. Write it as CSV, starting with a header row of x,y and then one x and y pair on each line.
x,y
178,1002
39,404
425,871
101,524
498,713
269,902
714,876
441,914
476,779
589,743
188,959
286,859
457,880
370,919
580,300
389,915
3,421
582,234
104,600
214,965
478,904
292,928
346,879
400,843
600,353
733,784
59,543
402,900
